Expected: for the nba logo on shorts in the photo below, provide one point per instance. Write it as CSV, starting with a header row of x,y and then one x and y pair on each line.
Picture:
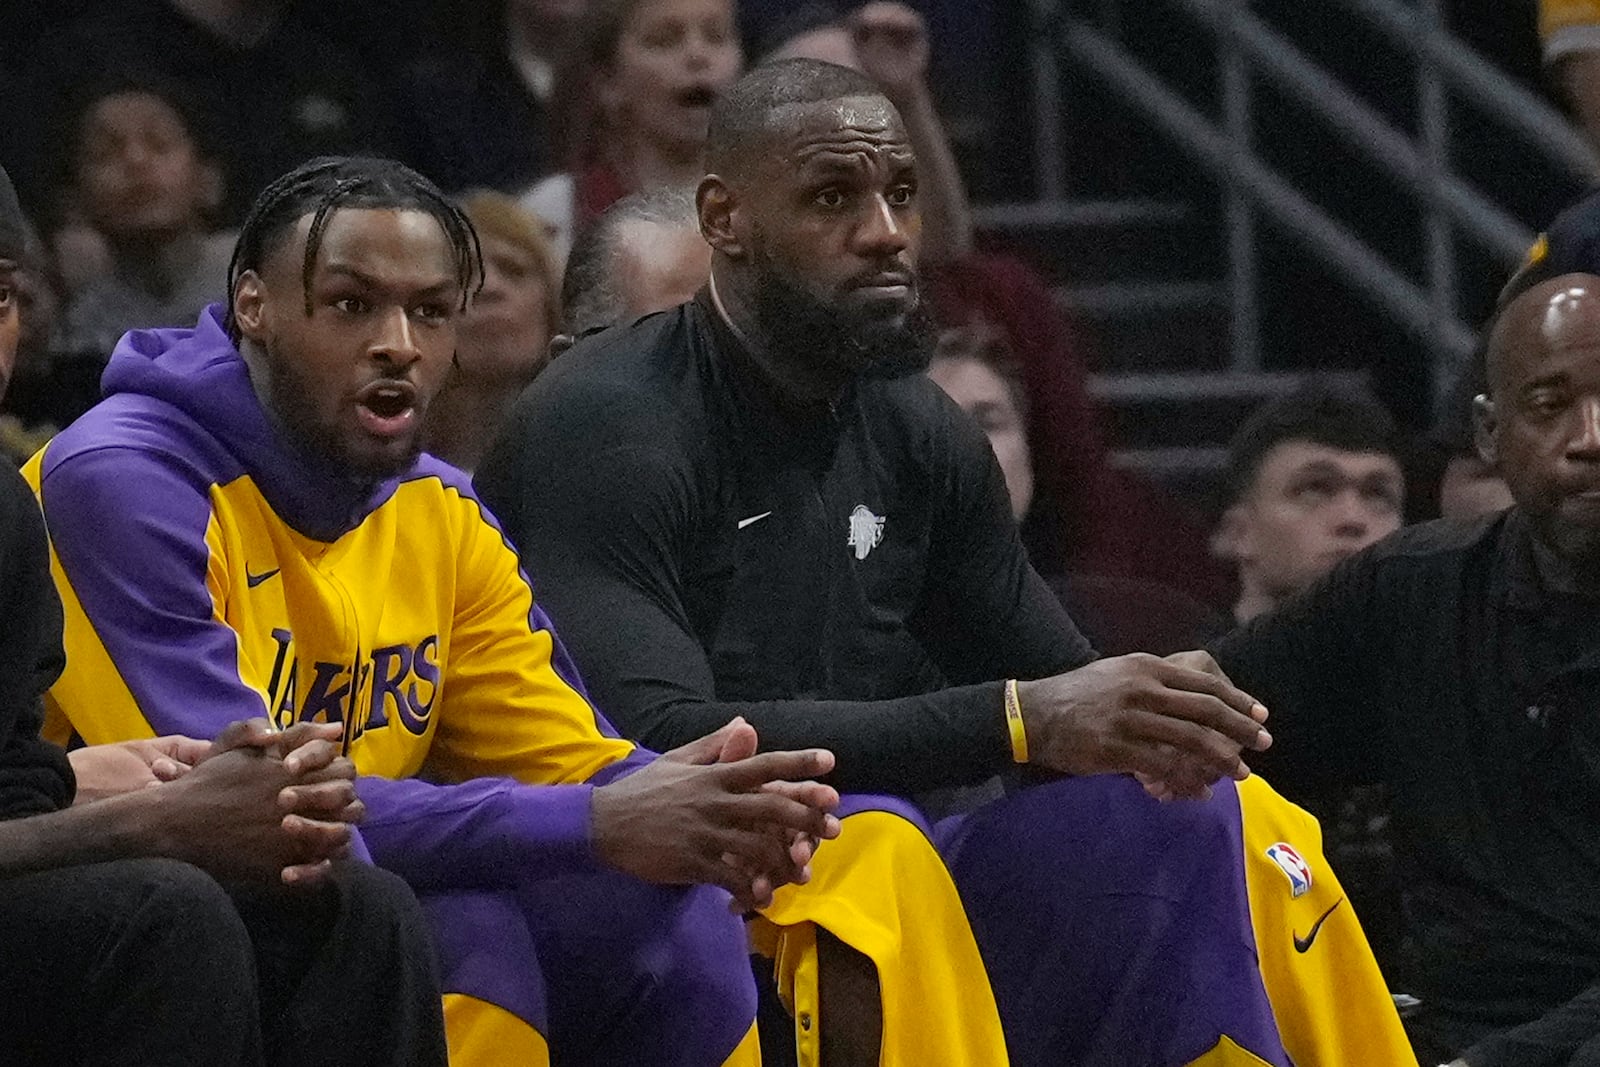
x,y
1292,865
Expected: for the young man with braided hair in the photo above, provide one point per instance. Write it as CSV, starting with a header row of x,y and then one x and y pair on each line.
x,y
245,525
169,901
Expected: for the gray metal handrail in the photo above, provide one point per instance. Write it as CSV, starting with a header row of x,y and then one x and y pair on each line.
x,y
1362,126
1362,268
1246,47
1422,34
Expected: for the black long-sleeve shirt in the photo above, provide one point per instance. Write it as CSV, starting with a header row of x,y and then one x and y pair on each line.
x,y
35,776
844,575
1440,664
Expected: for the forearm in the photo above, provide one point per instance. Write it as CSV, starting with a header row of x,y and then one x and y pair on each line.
x,y
904,746
122,827
946,214
488,833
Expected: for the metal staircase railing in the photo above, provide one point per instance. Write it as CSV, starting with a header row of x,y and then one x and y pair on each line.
x,y
1246,49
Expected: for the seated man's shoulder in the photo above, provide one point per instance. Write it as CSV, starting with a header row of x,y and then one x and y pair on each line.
x,y
634,378
1439,543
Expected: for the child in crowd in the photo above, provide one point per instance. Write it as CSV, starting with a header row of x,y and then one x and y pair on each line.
x,y
649,72
139,174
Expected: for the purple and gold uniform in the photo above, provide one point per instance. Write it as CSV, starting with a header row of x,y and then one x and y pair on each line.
x,y
211,571
849,575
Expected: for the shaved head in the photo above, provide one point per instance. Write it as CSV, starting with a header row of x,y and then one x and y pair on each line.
x,y
751,112
1554,313
1541,422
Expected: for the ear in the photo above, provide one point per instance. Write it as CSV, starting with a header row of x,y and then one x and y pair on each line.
x,y
560,344
1229,538
718,206
1485,424
250,306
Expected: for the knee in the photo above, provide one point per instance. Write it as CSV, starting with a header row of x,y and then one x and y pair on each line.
x,y
170,913
168,893
383,906
703,963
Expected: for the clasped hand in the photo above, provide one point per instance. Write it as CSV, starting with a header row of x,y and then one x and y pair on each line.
x,y
1176,724
714,811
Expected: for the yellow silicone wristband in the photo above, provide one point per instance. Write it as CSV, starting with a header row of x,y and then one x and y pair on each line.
x,y
1019,734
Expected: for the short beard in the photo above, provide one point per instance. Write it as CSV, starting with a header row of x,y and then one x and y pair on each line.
x,y
321,441
801,331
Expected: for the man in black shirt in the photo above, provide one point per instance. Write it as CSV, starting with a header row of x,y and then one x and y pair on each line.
x,y
1459,665
738,508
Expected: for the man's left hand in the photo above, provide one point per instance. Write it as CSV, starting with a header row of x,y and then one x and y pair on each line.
x,y
109,770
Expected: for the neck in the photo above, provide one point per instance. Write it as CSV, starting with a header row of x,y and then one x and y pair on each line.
x,y
800,384
643,163
242,21
463,419
1254,600
157,264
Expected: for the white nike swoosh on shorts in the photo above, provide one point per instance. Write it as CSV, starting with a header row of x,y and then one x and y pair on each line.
x,y
752,519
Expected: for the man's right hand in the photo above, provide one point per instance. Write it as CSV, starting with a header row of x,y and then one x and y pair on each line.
x,y
744,823
1181,724
264,804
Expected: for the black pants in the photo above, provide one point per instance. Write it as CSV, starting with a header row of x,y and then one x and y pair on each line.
x,y
152,962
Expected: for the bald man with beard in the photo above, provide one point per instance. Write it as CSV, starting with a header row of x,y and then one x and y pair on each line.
x,y
1459,664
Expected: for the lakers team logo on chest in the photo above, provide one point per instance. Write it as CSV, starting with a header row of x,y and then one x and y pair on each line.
x,y
866,531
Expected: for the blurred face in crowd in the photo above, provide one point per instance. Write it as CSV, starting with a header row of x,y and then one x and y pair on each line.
x,y
1309,507
139,172
1541,424
506,331
822,230
671,60
10,320
353,379
658,267
993,403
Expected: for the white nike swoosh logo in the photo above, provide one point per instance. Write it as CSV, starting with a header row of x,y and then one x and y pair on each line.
x,y
754,518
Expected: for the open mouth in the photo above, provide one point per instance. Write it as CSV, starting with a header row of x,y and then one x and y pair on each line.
x,y
696,96
387,408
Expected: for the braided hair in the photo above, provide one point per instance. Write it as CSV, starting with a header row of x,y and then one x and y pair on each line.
x,y
320,186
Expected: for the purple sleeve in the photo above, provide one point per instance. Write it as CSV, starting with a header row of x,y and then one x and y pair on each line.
x,y
489,833
129,528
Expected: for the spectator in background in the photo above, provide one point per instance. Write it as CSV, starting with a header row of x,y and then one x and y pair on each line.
x,y
888,42
1456,664
649,71
504,337
273,92
643,254
975,367
1313,478
1469,485
483,117
142,176
1570,31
